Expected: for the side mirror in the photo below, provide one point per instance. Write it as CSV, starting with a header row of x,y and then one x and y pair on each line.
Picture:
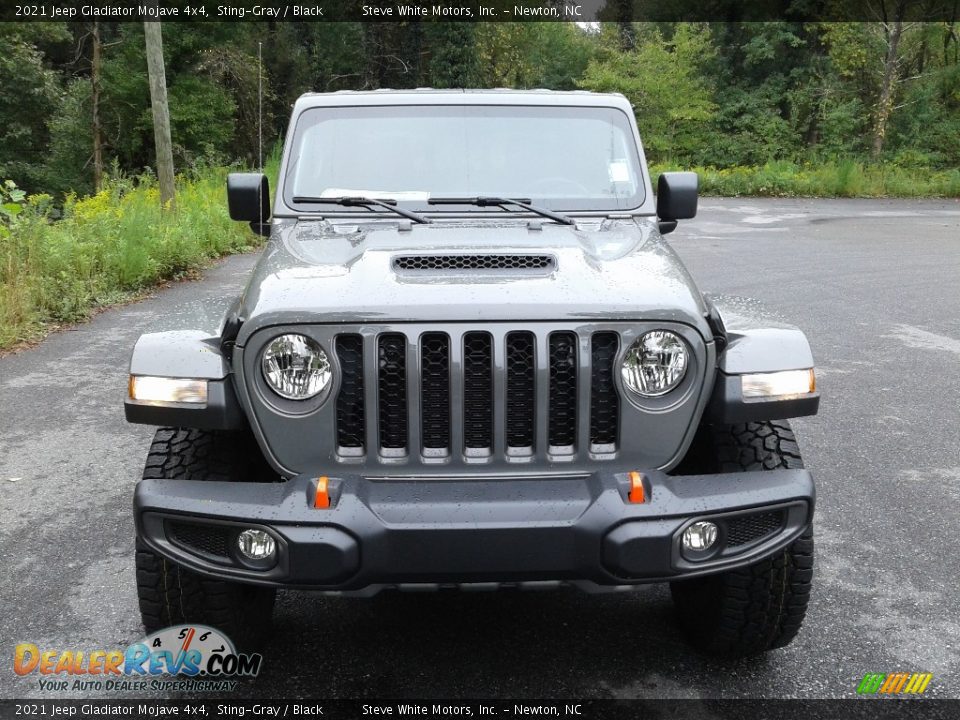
x,y
676,198
248,197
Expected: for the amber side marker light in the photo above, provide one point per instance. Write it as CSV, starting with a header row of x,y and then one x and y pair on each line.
x,y
321,500
637,492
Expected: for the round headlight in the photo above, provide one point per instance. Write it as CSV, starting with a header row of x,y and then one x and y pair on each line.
x,y
295,367
655,364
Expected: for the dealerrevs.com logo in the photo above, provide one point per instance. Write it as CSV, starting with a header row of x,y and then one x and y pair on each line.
x,y
182,657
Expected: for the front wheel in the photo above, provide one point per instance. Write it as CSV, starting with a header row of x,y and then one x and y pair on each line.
x,y
759,607
173,595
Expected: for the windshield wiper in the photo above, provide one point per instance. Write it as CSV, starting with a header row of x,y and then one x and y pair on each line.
x,y
500,202
362,202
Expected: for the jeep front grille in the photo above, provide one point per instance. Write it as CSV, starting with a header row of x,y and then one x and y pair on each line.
x,y
476,394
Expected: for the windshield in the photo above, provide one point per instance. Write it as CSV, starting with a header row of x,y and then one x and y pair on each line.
x,y
564,158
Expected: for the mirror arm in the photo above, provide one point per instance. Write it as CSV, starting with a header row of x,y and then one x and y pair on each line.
x,y
666,226
264,228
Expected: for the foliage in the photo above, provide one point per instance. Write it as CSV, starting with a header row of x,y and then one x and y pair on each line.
x,y
661,78
453,57
532,55
104,248
29,93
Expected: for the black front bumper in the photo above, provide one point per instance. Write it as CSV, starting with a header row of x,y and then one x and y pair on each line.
x,y
431,533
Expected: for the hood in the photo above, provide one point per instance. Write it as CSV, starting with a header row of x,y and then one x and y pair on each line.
x,y
315,271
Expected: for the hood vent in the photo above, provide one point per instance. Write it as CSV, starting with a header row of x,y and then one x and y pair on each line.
x,y
426,263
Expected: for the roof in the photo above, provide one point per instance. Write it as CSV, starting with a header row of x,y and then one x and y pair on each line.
x,y
431,96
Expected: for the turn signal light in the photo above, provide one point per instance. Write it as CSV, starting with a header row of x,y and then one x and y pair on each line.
x,y
637,492
784,385
163,390
321,500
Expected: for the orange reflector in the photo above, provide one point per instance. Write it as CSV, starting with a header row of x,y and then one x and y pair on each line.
x,y
322,499
637,492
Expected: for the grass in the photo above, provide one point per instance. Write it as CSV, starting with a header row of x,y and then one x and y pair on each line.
x,y
844,178
106,248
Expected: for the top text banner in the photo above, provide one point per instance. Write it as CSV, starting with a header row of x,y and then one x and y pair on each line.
x,y
479,10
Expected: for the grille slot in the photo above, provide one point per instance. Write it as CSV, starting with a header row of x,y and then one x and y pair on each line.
x,y
206,539
521,371
474,262
604,401
350,401
477,392
435,392
748,528
562,426
392,387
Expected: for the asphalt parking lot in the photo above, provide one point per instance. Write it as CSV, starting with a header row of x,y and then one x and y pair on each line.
x,y
876,287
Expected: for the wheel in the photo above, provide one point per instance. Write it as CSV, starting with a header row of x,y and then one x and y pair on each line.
x,y
760,607
171,595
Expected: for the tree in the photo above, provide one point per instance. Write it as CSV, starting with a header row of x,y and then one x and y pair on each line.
x,y
161,112
29,94
661,78
453,55
892,32
96,65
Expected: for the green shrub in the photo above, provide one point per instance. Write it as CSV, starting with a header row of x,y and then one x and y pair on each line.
x,y
105,247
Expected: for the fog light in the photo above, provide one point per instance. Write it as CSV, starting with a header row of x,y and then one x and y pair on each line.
x,y
700,536
256,544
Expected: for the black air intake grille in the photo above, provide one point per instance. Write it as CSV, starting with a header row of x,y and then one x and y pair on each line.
x,y
521,398
477,391
563,390
604,401
746,529
350,400
392,386
207,539
475,262
467,395
435,390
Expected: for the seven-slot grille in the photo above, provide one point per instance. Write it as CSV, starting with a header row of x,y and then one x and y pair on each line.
x,y
477,393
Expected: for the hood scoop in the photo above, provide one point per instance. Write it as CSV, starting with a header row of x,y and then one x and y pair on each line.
x,y
499,262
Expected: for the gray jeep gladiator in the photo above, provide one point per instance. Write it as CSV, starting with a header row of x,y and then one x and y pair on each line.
x,y
468,359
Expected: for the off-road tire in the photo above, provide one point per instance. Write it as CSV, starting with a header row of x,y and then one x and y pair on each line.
x,y
172,595
759,607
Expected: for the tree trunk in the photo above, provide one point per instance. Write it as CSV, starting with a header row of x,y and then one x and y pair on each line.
x,y
95,69
888,84
161,112
625,31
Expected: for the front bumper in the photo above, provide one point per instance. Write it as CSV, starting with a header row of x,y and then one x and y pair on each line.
x,y
474,532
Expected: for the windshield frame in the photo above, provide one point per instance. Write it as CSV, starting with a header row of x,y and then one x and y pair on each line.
x,y
289,208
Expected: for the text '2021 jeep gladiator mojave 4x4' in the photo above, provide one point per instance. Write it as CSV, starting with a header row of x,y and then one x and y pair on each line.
x,y
467,358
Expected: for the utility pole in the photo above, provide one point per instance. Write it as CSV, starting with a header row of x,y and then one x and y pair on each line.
x,y
161,112
95,69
